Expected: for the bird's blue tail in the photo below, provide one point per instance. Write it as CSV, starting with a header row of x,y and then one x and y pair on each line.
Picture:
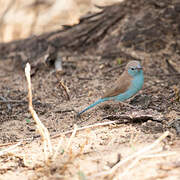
x,y
92,105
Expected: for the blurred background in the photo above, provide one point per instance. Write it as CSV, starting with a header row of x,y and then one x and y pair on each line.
x,y
21,18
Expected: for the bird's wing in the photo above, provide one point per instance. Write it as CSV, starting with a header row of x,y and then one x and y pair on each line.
x,y
121,85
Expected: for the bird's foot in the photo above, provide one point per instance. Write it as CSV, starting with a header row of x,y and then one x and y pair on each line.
x,y
126,104
78,115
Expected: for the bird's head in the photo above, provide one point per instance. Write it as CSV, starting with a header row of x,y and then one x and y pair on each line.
x,y
134,68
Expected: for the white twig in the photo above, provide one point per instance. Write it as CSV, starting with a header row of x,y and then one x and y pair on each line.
x,y
139,153
129,167
86,127
57,149
71,138
2,152
158,155
143,157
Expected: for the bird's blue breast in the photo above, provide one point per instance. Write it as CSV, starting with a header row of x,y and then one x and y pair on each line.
x,y
136,85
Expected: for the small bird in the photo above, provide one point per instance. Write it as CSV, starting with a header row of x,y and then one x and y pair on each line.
x,y
128,84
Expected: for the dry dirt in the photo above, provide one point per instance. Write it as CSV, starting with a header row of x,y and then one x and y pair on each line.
x,y
97,149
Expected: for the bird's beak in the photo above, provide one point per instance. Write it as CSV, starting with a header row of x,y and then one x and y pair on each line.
x,y
139,68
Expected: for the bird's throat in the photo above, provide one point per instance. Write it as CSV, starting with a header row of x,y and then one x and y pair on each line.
x,y
138,81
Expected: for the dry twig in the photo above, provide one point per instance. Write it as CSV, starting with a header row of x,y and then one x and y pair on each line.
x,y
71,138
144,157
57,149
136,155
65,89
85,127
41,128
9,149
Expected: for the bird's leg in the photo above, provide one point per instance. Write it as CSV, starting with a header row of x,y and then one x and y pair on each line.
x,y
126,104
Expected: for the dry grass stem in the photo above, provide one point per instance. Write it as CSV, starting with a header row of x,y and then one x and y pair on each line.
x,y
7,144
135,155
159,155
61,83
85,127
9,149
144,157
57,149
71,138
129,167
41,128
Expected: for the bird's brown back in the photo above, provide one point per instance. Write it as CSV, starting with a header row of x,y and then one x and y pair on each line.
x,y
121,85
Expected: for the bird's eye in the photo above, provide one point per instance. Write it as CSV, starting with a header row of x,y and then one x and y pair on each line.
x,y
132,69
